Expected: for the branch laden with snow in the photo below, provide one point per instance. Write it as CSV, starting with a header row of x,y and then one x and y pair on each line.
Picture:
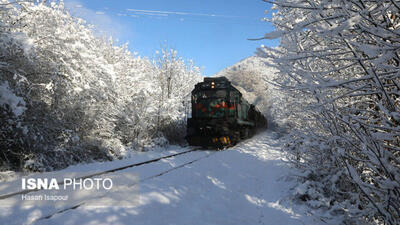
x,y
339,62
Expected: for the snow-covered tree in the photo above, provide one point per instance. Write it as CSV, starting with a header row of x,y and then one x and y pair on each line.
x,y
68,96
176,79
339,63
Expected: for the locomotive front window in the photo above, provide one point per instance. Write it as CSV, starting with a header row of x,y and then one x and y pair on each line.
x,y
220,94
211,94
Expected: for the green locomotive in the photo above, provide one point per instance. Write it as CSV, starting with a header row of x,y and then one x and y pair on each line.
x,y
220,115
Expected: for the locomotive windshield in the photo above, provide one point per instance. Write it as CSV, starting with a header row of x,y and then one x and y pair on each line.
x,y
209,94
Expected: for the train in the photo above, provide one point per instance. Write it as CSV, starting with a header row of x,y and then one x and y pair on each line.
x,y
221,117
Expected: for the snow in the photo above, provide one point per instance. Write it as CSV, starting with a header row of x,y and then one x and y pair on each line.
x,y
7,97
246,184
274,34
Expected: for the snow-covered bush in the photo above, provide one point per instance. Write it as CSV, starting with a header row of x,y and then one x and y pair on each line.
x,y
68,96
339,63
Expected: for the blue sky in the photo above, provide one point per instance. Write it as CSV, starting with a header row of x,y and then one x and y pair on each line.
x,y
213,33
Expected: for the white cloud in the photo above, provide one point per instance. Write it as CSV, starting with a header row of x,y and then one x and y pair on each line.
x,y
151,14
104,23
178,13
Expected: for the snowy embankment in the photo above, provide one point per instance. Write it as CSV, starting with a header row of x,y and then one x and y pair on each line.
x,y
243,185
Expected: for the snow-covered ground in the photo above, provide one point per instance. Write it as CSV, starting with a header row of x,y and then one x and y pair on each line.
x,y
246,184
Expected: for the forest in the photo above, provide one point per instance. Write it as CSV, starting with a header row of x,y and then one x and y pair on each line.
x,y
339,66
69,96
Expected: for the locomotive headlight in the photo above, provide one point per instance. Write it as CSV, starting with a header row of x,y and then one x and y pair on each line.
x,y
212,84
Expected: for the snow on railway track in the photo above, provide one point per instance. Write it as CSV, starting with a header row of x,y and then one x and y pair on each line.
x,y
4,196
244,185
141,180
153,167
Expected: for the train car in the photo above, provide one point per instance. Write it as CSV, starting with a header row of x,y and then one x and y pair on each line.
x,y
220,115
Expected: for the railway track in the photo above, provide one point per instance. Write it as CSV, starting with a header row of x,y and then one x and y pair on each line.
x,y
80,204
75,206
5,196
